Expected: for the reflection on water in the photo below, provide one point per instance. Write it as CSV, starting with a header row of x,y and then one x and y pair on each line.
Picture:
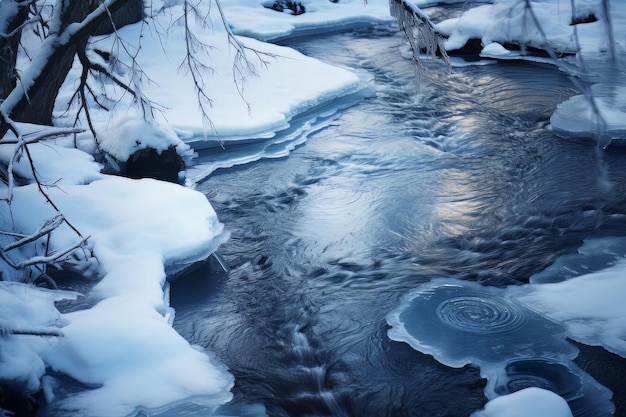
x,y
456,179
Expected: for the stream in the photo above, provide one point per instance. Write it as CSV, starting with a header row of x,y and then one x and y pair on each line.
x,y
455,176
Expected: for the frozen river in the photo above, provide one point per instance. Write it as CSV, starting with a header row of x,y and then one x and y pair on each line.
x,y
457,178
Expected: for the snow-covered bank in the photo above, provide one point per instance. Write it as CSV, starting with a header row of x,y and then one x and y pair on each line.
x,y
529,402
119,348
136,229
507,28
253,89
263,23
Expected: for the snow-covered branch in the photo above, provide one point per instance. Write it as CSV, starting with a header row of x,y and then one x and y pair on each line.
x,y
43,332
192,63
46,228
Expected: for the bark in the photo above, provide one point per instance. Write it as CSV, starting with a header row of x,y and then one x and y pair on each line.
x,y
9,42
132,12
38,104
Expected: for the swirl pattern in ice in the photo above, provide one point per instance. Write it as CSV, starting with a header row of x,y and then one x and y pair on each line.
x,y
465,324
541,373
462,323
480,315
585,396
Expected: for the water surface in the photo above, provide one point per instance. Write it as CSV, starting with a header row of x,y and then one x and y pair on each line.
x,y
457,177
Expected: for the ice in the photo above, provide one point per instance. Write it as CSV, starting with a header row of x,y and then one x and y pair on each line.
x,y
579,297
577,117
593,256
529,402
463,323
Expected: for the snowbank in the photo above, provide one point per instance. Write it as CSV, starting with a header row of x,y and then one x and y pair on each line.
x,y
591,306
253,89
137,229
32,324
248,19
529,402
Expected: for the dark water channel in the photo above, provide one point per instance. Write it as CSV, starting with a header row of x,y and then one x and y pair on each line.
x,y
456,178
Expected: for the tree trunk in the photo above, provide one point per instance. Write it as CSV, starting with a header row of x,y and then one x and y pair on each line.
x,y
38,104
16,13
131,12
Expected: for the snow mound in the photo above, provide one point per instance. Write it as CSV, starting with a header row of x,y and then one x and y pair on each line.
x,y
139,230
529,402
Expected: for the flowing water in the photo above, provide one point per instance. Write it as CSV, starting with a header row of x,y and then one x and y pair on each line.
x,y
457,177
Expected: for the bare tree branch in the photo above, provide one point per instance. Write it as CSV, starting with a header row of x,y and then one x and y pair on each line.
x,y
421,33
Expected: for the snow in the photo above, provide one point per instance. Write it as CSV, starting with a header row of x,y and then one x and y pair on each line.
x,y
125,135
494,49
529,402
268,25
126,340
51,164
590,305
248,100
25,308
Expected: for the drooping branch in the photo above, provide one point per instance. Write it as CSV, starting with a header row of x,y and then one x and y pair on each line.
x,y
197,50
242,66
423,36
192,63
